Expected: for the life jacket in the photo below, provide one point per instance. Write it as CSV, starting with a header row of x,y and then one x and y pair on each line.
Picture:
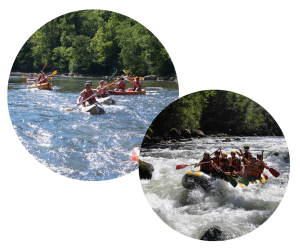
x,y
252,171
87,95
44,80
228,168
206,167
122,85
217,161
39,77
233,163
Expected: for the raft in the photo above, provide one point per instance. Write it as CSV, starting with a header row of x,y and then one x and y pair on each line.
x,y
106,100
46,85
127,92
94,109
195,179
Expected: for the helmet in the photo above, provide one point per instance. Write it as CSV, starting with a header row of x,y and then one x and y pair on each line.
x,y
233,152
247,146
206,153
225,154
217,152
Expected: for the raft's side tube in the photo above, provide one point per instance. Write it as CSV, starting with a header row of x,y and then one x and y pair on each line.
x,y
194,179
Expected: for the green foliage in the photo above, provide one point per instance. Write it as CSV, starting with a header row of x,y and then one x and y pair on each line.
x,y
95,41
215,112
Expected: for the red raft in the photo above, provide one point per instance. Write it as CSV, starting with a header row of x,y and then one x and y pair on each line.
x,y
127,92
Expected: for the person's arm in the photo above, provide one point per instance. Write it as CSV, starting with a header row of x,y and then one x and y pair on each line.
x,y
247,162
221,152
242,170
230,161
214,165
78,99
262,154
264,164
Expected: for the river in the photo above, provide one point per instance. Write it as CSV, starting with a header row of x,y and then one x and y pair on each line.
x,y
237,211
78,145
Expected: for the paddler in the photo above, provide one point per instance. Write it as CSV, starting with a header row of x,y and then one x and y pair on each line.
x,y
232,159
102,89
239,168
205,165
247,153
40,76
217,161
227,169
260,161
31,76
253,171
137,85
86,93
43,79
120,84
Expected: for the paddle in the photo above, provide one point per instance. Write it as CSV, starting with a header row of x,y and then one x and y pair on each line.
x,y
229,178
184,165
274,172
70,109
243,180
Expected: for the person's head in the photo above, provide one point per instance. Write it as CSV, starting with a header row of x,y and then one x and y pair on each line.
x,y
217,153
206,155
259,156
253,159
246,147
88,85
31,74
233,153
102,82
224,161
224,155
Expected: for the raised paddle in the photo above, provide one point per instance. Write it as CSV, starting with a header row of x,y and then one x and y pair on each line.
x,y
184,165
229,178
70,109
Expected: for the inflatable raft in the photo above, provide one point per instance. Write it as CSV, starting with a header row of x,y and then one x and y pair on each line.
x,y
94,109
127,92
30,81
47,85
195,179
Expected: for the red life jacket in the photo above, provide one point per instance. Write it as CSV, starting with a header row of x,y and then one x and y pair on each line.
x,y
122,85
252,171
228,168
87,95
233,163
217,161
206,167
44,80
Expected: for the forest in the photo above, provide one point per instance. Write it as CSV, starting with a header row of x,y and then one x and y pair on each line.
x,y
215,112
94,42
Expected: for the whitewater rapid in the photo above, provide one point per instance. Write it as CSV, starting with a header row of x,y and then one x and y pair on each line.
x,y
237,211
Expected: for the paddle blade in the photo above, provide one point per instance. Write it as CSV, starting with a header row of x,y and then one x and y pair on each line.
x,y
232,181
244,181
125,72
69,109
274,172
54,72
135,154
266,177
23,76
181,166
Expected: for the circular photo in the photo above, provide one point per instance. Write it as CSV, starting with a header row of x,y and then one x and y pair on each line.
x,y
214,165
84,89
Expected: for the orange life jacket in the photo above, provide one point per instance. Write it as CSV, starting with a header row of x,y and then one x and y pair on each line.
x,y
87,95
217,161
252,171
122,85
233,163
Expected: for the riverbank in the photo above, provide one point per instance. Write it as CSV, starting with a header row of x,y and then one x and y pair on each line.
x,y
95,76
185,135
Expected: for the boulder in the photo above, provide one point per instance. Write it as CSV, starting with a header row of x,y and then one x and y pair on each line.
x,y
145,170
174,132
150,78
186,133
226,140
214,234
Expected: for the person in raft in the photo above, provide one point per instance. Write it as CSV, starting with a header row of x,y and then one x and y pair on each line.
x,y
205,165
31,76
247,153
40,76
217,160
239,168
226,169
43,79
86,93
232,159
254,170
120,84
137,85
102,89
260,161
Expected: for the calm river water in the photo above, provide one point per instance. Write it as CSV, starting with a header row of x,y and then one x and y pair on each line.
x,y
79,145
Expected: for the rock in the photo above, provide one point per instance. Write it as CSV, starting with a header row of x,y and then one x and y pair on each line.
x,y
99,173
147,139
214,234
145,170
275,153
150,78
172,78
237,139
226,140
157,140
186,133
174,132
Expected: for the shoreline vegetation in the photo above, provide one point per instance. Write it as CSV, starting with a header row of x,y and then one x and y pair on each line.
x,y
213,113
95,43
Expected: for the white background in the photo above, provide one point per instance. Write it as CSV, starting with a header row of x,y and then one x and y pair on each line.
x,y
250,47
